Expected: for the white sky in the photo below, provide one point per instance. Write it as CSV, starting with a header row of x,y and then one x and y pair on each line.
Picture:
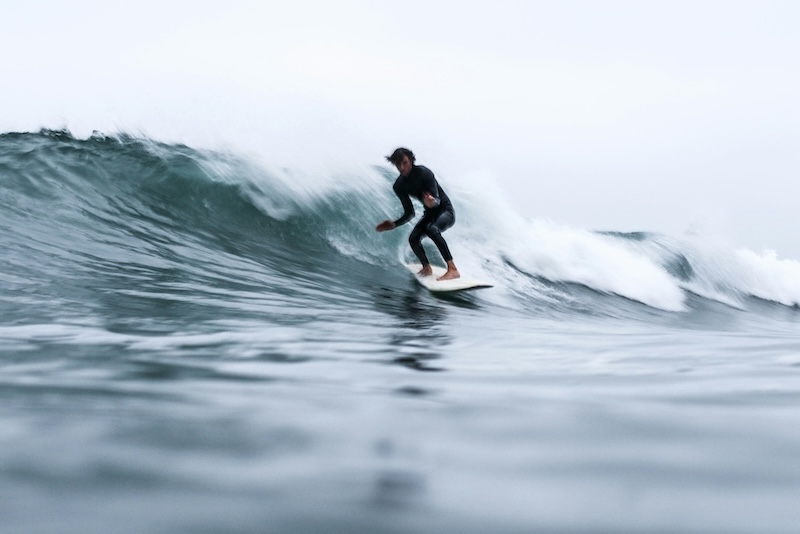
x,y
617,115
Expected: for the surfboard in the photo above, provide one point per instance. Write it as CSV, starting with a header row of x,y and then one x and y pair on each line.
x,y
432,284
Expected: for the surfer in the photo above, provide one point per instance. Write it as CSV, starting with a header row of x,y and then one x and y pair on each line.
x,y
418,181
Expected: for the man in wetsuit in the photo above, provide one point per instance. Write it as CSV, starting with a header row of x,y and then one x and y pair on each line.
x,y
419,182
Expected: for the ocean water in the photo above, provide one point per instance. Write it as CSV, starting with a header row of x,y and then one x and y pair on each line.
x,y
194,342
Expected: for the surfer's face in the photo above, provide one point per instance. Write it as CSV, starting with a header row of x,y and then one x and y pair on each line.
x,y
404,166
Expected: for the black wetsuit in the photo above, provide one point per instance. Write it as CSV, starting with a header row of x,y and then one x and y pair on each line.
x,y
434,220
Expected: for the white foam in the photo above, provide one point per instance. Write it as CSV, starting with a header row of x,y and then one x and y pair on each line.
x,y
770,278
722,273
563,254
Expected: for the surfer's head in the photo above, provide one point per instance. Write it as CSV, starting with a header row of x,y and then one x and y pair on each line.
x,y
403,159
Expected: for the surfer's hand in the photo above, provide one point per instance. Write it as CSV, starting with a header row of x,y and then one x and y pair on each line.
x,y
429,200
385,225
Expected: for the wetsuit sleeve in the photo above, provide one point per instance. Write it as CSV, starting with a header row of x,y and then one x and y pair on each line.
x,y
408,207
429,185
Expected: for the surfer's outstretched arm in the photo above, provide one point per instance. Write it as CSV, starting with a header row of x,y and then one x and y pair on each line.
x,y
408,206
408,212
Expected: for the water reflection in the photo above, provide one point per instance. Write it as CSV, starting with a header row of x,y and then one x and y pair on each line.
x,y
398,489
421,332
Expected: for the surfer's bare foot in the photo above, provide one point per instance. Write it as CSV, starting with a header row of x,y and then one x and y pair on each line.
x,y
425,271
452,272
450,275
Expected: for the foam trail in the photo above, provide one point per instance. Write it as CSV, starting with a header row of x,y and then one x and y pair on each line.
x,y
562,254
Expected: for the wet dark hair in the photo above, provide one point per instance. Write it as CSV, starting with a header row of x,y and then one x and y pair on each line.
x,y
397,156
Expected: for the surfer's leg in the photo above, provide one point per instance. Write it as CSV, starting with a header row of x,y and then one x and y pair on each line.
x,y
434,230
415,240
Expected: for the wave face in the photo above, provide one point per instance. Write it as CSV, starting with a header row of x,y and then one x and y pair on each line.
x,y
123,220
191,327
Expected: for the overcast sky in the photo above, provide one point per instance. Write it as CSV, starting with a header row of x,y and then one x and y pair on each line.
x,y
611,115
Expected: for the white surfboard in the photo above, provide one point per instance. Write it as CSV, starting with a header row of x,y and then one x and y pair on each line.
x,y
432,284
